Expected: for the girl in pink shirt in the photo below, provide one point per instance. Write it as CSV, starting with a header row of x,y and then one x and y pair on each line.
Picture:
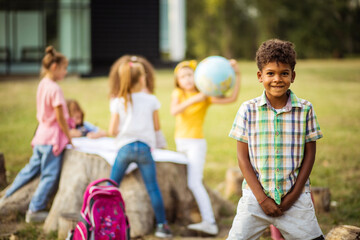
x,y
50,138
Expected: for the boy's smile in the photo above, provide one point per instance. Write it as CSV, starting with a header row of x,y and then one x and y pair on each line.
x,y
276,78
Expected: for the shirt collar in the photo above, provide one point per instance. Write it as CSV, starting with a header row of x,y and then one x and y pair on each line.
x,y
293,101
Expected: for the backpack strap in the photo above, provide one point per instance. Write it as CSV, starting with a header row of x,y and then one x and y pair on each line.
x,y
101,180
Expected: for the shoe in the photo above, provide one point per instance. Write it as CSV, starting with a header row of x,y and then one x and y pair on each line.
x,y
204,226
163,231
36,217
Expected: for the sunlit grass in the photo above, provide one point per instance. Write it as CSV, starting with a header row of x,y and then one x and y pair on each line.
x,y
332,86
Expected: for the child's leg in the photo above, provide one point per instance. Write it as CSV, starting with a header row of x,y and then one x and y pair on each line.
x,y
299,222
250,220
121,163
50,171
27,173
148,171
195,150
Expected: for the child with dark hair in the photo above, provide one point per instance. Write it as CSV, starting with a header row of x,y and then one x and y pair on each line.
x,y
276,137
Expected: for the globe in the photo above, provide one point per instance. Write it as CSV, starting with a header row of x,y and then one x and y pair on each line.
x,y
214,76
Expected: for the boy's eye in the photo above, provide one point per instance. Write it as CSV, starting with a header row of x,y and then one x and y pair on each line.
x,y
285,73
269,73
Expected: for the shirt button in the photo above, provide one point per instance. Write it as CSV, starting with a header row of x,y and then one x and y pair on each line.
x,y
277,133
277,170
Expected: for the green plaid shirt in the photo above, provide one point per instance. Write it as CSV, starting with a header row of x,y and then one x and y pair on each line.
x,y
276,140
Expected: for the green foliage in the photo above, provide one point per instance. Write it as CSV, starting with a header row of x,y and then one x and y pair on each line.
x,y
234,28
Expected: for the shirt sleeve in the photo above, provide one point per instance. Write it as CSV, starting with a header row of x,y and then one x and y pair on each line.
x,y
114,105
57,97
157,104
313,131
239,129
90,127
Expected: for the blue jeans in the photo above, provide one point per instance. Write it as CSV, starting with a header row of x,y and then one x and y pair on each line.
x,y
139,153
42,162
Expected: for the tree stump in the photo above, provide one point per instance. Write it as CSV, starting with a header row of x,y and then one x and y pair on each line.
x,y
17,203
322,199
3,182
79,169
344,232
67,222
233,182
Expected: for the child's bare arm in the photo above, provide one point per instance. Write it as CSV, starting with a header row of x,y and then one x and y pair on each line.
x,y
177,107
100,133
114,124
304,173
62,122
268,205
235,92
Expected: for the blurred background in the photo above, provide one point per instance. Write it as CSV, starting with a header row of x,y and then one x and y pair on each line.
x,y
94,33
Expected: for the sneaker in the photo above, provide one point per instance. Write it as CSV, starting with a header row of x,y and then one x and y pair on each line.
x,y
36,217
163,231
204,226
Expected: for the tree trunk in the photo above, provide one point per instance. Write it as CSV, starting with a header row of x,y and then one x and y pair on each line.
x,y
322,199
344,232
3,182
79,169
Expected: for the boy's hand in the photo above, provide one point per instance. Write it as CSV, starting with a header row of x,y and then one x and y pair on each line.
x,y
288,200
270,208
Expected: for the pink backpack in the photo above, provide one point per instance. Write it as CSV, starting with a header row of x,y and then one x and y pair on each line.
x,y
103,214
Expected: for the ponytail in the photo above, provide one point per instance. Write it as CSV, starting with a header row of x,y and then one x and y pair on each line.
x,y
129,73
51,56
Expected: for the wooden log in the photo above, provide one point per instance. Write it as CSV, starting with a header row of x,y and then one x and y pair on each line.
x,y
3,182
322,199
67,222
344,232
233,182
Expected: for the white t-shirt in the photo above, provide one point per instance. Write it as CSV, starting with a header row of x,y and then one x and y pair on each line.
x,y
137,123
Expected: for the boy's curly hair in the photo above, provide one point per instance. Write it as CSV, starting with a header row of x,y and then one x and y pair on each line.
x,y
275,50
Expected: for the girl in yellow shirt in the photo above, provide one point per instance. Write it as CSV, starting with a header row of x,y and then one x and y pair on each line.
x,y
189,106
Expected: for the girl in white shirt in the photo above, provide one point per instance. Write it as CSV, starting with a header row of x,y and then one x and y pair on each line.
x,y
134,120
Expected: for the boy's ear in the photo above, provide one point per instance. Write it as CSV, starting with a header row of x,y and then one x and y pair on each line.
x,y
293,76
259,76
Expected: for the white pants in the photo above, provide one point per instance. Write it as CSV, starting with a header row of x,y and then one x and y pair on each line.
x,y
195,150
299,222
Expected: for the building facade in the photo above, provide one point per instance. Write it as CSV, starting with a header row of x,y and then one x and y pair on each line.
x,y
92,34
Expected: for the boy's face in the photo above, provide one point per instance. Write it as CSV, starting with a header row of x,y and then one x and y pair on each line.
x,y
276,78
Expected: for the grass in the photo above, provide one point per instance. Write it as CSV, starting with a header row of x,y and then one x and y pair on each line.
x,y
333,87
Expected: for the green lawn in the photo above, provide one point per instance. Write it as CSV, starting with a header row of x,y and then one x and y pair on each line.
x,y
333,87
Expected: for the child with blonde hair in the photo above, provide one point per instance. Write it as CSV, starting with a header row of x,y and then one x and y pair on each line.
x,y
134,120
82,128
51,136
189,107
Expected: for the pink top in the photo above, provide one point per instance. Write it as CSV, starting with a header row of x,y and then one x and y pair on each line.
x,y
49,96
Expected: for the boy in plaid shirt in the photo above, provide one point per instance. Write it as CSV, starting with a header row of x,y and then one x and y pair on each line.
x,y
276,137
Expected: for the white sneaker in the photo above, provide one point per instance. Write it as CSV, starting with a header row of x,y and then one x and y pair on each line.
x,y
36,216
204,226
